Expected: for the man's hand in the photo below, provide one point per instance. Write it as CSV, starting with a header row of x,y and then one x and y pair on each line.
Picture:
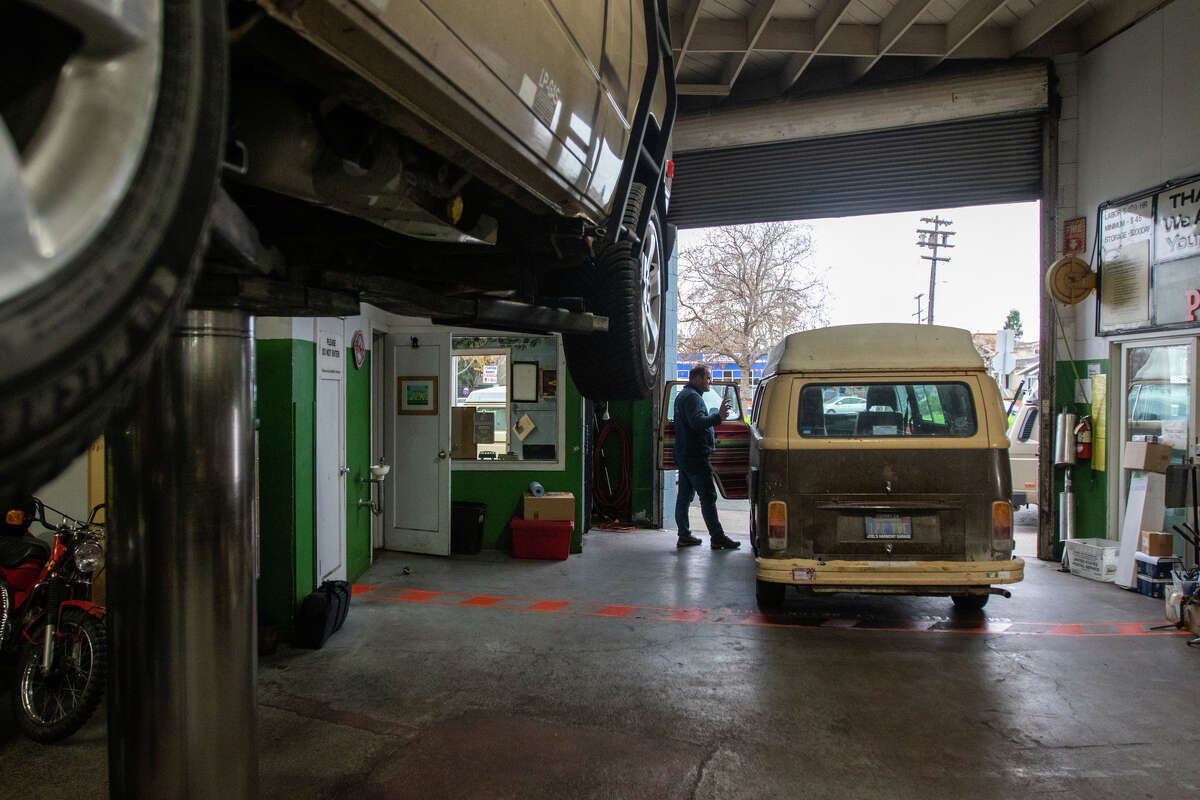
x,y
724,409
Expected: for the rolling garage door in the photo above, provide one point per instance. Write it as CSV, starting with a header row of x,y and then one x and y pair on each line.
x,y
821,159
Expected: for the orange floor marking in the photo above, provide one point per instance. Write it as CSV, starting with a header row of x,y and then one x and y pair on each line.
x,y
726,616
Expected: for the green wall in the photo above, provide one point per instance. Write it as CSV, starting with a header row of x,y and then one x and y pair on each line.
x,y
286,377
502,491
1090,486
637,417
358,459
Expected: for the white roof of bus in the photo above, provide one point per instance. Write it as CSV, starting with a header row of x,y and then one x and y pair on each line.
x,y
880,346
489,394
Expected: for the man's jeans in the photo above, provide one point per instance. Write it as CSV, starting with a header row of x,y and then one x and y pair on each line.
x,y
697,479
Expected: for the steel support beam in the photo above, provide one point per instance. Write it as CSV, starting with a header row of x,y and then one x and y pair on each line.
x,y
181,705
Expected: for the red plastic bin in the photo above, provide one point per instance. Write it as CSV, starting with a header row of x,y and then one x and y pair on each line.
x,y
541,538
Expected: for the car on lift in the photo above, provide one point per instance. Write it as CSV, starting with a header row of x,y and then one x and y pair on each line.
x,y
495,165
913,498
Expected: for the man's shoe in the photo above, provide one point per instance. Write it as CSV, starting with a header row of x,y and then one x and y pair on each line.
x,y
687,540
725,543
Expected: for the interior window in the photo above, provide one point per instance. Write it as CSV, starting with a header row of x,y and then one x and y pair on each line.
x,y
506,398
886,410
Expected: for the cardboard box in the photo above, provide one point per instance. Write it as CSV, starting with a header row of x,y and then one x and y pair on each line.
x,y
462,432
1157,567
1153,543
1152,587
550,507
1095,559
1148,456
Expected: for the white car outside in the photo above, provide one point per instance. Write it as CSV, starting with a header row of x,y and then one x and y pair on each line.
x,y
1023,453
846,405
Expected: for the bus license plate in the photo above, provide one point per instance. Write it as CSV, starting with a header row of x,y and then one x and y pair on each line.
x,y
889,526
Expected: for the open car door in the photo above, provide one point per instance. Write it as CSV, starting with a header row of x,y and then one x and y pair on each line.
x,y
731,459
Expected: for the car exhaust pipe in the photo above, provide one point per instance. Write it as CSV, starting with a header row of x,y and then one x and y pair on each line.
x,y
1000,591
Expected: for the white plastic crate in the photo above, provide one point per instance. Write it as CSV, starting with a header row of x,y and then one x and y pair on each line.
x,y
1093,558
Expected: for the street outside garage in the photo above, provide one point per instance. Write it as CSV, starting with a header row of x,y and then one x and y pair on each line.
x,y
640,670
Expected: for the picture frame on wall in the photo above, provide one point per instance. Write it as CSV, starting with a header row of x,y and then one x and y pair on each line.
x,y
523,385
416,394
549,384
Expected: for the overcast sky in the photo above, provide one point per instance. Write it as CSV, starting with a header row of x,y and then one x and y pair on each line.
x,y
876,267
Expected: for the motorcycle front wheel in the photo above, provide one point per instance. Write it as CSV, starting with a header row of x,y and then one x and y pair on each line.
x,y
51,706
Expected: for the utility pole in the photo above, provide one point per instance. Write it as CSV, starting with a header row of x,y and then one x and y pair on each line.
x,y
918,297
933,238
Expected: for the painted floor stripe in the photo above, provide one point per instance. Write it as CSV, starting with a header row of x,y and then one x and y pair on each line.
x,y
727,616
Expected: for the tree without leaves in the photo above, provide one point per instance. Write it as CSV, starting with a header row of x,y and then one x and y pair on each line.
x,y
1013,323
745,287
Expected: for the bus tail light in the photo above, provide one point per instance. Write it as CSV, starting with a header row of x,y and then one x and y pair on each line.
x,y
777,525
1001,520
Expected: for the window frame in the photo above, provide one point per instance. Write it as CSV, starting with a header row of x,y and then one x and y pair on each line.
x,y
912,401
560,461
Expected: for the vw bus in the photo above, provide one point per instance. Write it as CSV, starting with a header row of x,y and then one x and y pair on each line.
x,y
909,495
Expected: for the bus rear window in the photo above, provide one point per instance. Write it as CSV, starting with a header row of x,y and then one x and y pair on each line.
x,y
887,410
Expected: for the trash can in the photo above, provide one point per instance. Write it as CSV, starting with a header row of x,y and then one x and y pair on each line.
x,y
466,527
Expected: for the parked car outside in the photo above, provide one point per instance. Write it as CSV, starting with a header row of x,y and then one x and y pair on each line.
x,y
1023,452
846,405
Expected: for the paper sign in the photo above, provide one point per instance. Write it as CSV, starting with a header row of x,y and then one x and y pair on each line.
x,y
1099,421
523,427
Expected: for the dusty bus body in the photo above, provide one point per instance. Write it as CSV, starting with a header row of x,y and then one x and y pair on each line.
x,y
910,495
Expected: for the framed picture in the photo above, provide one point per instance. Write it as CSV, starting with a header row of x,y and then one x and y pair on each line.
x,y
416,394
549,384
524,383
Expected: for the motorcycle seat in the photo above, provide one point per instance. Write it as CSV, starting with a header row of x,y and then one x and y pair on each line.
x,y
14,551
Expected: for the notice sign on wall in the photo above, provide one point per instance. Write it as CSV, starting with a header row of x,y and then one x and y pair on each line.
x,y
1177,232
1149,246
331,358
1125,233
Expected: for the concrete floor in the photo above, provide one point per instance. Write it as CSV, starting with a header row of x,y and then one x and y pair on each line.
x,y
636,670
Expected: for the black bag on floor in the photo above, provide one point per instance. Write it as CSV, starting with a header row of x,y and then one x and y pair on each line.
x,y
322,614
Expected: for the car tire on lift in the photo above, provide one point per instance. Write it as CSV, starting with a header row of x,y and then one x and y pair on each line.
x,y
90,326
626,283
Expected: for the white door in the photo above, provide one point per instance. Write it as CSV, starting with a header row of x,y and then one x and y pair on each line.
x,y
330,458
418,442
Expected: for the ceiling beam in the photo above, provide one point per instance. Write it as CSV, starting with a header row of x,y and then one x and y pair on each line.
x,y
894,25
1041,20
686,31
967,21
827,20
703,89
755,23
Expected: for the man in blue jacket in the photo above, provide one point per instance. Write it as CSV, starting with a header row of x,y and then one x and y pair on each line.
x,y
694,444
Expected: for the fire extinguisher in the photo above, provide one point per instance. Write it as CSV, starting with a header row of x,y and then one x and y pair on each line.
x,y
1083,438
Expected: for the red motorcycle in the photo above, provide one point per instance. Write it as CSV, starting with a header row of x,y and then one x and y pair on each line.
x,y
48,620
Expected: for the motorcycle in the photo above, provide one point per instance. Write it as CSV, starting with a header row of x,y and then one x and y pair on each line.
x,y
48,620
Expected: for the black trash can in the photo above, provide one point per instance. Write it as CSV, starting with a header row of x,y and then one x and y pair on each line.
x,y
466,527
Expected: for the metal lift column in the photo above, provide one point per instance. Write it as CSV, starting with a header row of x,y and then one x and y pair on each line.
x,y
181,601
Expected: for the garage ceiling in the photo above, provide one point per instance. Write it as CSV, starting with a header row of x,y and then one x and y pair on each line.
x,y
757,49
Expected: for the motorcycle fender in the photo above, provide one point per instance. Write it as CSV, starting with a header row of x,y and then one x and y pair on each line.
x,y
86,606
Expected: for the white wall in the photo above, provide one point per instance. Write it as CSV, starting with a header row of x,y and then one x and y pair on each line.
x,y
68,492
1138,125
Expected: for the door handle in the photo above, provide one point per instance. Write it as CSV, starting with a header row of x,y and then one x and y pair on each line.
x,y
441,453
343,470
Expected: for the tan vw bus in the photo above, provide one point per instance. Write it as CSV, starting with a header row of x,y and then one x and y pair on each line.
x,y
908,492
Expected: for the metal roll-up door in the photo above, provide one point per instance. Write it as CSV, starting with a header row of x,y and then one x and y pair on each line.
x,y
944,165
